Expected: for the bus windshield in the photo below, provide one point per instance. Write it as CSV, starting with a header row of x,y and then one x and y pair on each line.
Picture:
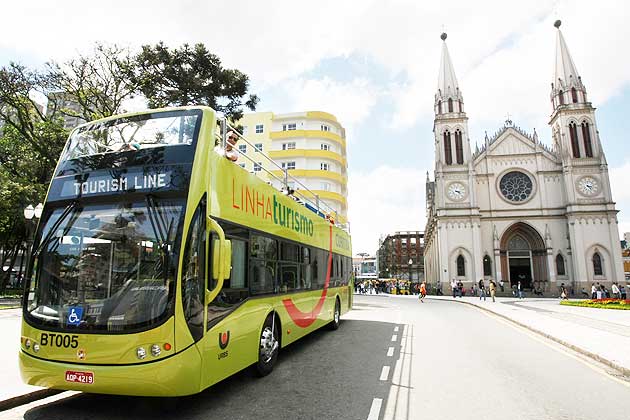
x,y
106,267
133,133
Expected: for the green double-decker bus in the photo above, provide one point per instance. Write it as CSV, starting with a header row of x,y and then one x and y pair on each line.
x,y
160,267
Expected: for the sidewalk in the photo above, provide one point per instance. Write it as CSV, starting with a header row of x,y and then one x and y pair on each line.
x,y
12,386
603,334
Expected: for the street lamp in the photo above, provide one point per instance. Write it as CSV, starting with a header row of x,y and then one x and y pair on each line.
x,y
410,262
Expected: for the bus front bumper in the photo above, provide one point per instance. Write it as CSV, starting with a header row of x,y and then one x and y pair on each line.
x,y
170,377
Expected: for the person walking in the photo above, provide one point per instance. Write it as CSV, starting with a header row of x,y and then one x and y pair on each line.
x,y
482,290
454,288
423,291
615,291
493,289
519,288
593,291
563,292
460,288
502,285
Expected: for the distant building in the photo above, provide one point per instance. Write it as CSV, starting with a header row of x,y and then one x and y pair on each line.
x,y
310,145
395,252
364,268
64,106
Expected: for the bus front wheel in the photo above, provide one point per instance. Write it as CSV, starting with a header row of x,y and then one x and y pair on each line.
x,y
334,324
269,345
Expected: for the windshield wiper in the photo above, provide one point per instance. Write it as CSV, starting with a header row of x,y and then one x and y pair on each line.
x,y
161,230
70,208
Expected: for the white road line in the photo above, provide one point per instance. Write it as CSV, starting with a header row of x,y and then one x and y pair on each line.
x,y
396,329
390,352
384,373
395,337
375,410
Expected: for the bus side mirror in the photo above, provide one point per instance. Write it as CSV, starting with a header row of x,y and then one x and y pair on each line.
x,y
216,259
226,253
221,259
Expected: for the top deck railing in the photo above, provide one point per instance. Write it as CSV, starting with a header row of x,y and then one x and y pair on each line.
x,y
312,202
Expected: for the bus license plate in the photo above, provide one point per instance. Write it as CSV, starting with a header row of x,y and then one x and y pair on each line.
x,y
80,377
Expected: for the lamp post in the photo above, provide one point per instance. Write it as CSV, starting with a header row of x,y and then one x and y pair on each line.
x,y
410,262
32,215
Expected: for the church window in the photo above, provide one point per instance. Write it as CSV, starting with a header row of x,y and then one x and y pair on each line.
x,y
561,97
439,107
461,106
575,146
487,266
597,264
450,104
586,135
560,265
515,186
461,266
447,148
459,147
574,95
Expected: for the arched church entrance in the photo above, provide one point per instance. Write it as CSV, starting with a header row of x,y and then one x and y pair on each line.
x,y
523,256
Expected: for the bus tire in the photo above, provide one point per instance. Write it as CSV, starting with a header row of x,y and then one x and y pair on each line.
x,y
334,324
268,346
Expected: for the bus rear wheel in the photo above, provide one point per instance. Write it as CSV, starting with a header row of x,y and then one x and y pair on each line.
x,y
334,324
269,345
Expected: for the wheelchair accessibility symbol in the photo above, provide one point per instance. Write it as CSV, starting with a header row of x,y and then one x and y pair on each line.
x,y
75,315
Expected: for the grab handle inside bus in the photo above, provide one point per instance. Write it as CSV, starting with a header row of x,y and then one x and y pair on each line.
x,y
221,260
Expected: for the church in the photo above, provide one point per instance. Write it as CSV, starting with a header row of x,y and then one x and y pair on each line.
x,y
516,209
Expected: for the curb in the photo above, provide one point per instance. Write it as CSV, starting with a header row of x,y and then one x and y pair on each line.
x,y
28,398
625,371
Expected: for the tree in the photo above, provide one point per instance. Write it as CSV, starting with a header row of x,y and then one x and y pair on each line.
x,y
191,76
99,84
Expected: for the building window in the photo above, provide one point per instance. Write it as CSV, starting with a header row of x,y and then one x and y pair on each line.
x,y
561,97
325,127
259,128
325,146
242,148
288,165
323,166
259,147
288,127
325,186
586,135
257,167
459,147
487,266
598,270
288,146
447,148
461,266
450,105
560,265
575,146
574,95
439,107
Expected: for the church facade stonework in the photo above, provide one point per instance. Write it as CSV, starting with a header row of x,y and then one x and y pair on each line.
x,y
517,209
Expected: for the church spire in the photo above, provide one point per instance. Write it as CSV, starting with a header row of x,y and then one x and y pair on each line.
x,y
566,87
448,98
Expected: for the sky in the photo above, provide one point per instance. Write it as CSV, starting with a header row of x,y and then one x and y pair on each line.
x,y
374,65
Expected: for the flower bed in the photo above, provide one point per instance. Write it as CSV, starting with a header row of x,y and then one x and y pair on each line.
x,y
599,303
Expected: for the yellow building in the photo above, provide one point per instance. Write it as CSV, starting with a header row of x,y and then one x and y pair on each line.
x,y
310,146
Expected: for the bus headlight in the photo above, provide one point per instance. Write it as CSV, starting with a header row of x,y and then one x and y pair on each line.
x,y
27,343
141,353
156,350
35,347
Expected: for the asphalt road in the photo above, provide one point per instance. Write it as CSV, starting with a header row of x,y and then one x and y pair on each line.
x,y
392,358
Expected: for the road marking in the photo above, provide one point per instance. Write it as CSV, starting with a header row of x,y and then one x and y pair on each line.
x,y
395,337
384,373
375,409
396,329
585,360
390,352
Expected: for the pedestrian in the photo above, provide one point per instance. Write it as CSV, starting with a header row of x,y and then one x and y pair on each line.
x,y
493,289
482,290
598,291
563,292
615,291
423,291
454,288
593,291
502,285
519,287
460,288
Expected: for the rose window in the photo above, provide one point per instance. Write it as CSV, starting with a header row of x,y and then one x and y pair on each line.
x,y
516,186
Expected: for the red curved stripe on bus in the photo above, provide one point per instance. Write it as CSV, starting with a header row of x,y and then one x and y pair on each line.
x,y
305,319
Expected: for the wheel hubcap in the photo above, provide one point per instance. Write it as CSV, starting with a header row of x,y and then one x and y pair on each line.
x,y
336,314
268,345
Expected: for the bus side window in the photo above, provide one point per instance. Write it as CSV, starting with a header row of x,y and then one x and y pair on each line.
x,y
193,286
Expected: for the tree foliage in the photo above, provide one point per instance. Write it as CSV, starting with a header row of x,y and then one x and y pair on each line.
x,y
191,76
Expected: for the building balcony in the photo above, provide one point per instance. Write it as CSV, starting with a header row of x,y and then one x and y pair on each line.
x,y
314,134
313,173
308,153
327,195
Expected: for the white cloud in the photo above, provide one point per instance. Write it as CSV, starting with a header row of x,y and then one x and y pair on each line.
x,y
383,201
621,195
